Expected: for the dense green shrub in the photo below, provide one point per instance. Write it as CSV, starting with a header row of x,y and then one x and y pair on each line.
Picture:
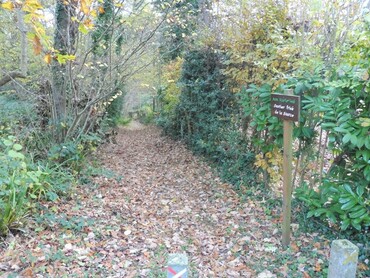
x,y
14,109
337,107
14,184
72,154
206,116
338,203
114,111
146,114
343,114
21,184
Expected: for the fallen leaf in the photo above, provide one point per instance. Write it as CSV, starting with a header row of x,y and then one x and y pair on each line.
x,y
27,272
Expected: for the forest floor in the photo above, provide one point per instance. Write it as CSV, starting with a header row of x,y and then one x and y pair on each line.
x,y
157,198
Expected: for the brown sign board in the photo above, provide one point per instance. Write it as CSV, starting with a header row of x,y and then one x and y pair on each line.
x,y
286,107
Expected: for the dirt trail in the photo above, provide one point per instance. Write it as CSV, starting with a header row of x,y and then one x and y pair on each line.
x,y
171,202
161,200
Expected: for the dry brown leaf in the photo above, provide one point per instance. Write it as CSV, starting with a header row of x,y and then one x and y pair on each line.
x,y
317,245
363,267
37,47
27,272
294,247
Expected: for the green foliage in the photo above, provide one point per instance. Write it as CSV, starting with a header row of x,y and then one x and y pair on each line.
x,y
16,113
340,105
123,121
114,111
146,114
266,131
169,94
343,109
72,154
23,183
19,183
51,220
178,29
339,203
206,116
262,50
104,28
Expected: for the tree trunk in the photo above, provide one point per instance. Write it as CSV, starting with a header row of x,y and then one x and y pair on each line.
x,y
22,28
64,41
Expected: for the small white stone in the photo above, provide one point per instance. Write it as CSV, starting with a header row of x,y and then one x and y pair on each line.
x,y
68,247
91,235
127,232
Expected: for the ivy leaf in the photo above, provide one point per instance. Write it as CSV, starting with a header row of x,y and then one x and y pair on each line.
x,y
320,211
354,139
348,188
340,129
330,215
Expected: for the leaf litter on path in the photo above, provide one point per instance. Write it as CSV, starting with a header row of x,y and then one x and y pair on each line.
x,y
165,201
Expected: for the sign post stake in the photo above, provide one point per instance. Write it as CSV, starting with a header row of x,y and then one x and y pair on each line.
x,y
287,178
286,107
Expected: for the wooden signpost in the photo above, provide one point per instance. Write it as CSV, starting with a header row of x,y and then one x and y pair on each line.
x,y
287,107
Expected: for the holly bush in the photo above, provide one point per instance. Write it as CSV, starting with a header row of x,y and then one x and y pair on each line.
x,y
207,116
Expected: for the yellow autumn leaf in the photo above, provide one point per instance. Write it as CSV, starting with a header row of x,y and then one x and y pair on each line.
x,y
365,122
85,26
47,58
31,6
365,76
85,6
7,6
89,24
101,10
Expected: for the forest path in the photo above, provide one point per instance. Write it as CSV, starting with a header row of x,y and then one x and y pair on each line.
x,y
168,201
156,198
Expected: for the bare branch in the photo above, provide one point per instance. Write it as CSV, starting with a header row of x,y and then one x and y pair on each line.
x,y
11,76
